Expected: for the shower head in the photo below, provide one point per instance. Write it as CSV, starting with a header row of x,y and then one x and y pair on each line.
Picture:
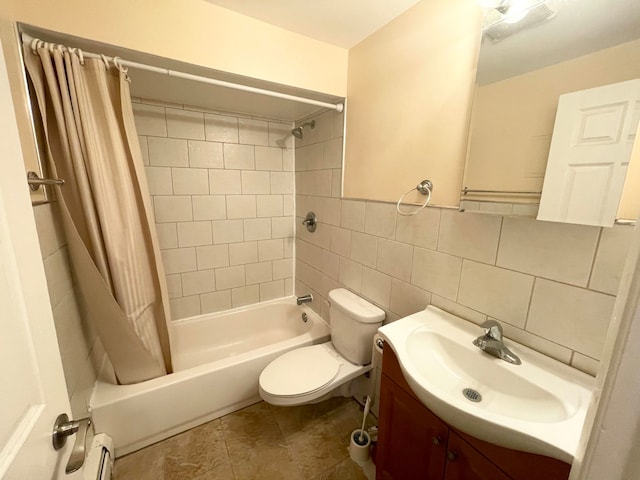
x,y
297,132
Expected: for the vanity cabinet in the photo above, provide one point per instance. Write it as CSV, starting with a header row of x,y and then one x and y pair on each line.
x,y
413,443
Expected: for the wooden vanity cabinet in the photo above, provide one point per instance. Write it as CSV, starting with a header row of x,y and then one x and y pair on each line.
x,y
413,443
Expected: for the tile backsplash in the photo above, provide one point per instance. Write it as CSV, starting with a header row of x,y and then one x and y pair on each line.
x,y
222,188
552,285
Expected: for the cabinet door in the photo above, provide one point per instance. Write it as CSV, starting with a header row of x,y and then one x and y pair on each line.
x,y
465,463
412,441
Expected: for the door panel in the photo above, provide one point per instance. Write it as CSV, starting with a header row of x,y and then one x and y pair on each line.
x,y
33,390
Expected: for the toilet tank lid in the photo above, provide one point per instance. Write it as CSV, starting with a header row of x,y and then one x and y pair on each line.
x,y
353,305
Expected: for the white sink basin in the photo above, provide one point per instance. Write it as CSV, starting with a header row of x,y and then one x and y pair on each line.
x,y
538,406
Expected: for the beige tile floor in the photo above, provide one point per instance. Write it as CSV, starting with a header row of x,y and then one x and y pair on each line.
x,y
258,442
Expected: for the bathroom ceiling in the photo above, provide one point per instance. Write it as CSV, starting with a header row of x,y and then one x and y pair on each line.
x,y
344,23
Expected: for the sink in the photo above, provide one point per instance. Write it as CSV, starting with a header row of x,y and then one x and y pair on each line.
x,y
538,407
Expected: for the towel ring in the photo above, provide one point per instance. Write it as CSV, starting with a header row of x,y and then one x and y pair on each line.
x,y
424,187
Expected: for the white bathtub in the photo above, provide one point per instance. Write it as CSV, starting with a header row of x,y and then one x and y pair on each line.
x,y
217,360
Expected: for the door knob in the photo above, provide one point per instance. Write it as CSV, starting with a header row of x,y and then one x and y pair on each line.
x,y
64,428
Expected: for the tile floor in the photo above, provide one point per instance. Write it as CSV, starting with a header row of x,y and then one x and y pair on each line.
x,y
263,442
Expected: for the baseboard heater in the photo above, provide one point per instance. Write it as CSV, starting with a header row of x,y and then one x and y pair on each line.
x,y
99,462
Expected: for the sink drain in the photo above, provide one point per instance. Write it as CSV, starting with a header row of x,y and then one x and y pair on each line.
x,y
471,394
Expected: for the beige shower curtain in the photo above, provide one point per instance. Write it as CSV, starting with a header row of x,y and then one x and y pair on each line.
x,y
92,144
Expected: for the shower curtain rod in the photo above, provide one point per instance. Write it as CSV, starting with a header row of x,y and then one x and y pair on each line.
x,y
28,39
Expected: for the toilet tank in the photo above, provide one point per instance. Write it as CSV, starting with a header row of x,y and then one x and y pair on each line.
x,y
354,322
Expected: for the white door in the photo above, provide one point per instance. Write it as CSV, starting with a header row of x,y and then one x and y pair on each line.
x,y
593,136
32,386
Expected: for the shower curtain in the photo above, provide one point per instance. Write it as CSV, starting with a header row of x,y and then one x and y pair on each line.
x,y
92,144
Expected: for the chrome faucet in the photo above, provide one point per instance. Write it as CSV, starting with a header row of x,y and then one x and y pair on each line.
x,y
304,299
491,342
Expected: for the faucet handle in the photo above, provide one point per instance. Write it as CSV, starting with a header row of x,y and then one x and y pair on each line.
x,y
492,329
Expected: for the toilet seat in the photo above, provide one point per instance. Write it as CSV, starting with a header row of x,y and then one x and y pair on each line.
x,y
306,375
299,372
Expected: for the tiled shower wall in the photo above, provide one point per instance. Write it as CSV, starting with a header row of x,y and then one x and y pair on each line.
x,y
80,349
552,285
222,190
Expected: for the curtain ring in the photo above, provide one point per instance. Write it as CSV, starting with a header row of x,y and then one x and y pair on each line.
x,y
81,55
34,45
105,60
123,70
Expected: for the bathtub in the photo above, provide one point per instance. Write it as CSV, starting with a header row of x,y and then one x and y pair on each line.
x,y
217,360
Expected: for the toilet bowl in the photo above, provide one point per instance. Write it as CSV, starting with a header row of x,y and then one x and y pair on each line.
x,y
312,374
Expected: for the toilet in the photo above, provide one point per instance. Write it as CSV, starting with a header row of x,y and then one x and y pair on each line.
x,y
315,373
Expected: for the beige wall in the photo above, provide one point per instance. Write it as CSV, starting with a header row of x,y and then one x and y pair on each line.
x,y
409,90
196,32
513,119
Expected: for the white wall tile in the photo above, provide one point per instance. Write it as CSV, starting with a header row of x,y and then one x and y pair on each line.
x,y
435,272
557,251
351,274
570,316
420,229
282,268
221,128
172,209
149,120
255,182
58,274
209,207
159,180
191,234
212,256
364,249
253,132
332,157
190,181
174,285
239,156
459,310
144,149
179,260
380,219
352,215
469,235
376,286
227,231
330,210
241,206
215,301
586,364
257,229
341,241
330,264
167,235
610,259
498,292
270,249
269,205
258,272
281,182
230,277
309,157
336,182
280,135
241,253
288,205
225,181
271,290
539,344
395,259
406,299
185,124
184,307
288,160
168,152
205,154
281,227
49,226
242,296
268,158
194,283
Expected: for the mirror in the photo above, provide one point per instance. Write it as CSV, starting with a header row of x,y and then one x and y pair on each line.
x,y
557,47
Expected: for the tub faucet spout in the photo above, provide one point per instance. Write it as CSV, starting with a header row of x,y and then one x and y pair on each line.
x,y
304,299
